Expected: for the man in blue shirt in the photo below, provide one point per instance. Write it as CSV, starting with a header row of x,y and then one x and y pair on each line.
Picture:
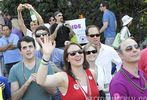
x,y
8,46
57,54
109,23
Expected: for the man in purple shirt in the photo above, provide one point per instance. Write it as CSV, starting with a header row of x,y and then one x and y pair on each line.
x,y
129,83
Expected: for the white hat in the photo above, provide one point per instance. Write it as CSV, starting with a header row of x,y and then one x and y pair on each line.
x,y
126,20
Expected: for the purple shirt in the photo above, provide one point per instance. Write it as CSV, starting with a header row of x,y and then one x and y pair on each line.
x,y
123,89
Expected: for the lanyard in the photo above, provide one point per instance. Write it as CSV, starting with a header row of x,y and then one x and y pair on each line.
x,y
87,96
23,71
133,83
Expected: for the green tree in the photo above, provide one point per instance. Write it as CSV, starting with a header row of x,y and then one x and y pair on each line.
x,y
89,9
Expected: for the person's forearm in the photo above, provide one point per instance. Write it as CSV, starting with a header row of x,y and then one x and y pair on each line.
x,y
42,73
17,95
4,48
11,47
54,35
39,18
21,23
102,29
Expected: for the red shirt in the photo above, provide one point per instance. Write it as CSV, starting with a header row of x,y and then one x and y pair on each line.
x,y
143,61
75,91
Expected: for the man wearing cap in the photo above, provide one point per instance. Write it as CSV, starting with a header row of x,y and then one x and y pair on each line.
x,y
61,31
109,23
125,33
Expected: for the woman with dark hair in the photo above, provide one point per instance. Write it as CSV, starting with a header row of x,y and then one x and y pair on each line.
x,y
77,82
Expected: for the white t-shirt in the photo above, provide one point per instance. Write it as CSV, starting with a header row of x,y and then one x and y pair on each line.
x,y
124,33
101,76
29,33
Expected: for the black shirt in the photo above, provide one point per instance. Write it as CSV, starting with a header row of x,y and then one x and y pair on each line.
x,y
62,34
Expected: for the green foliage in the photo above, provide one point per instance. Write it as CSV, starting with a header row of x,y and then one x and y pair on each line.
x,y
89,8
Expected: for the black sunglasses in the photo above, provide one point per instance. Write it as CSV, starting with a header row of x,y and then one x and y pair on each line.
x,y
73,53
130,48
93,35
41,34
52,20
89,52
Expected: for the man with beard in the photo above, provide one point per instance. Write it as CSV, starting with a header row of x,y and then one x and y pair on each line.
x,y
61,31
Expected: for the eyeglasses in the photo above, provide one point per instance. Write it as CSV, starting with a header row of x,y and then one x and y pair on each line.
x,y
41,34
93,35
89,52
130,48
73,53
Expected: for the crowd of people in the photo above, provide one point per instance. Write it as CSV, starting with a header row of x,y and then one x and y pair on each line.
x,y
42,63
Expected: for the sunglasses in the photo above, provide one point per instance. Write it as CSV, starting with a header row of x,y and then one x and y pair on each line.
x,y
59,15
41,34
130,48
89,52
52,20
93,35
73,53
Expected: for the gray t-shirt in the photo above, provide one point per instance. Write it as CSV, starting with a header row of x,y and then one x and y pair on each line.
x,y
34,92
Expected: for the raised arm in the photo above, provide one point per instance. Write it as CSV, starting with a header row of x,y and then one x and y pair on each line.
x,y
38,16
20,19
54,34
43,79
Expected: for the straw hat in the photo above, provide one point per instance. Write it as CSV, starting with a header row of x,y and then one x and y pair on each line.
x,y
126,20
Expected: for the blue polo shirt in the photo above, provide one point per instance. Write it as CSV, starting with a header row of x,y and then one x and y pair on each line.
x,y
109,17
123,89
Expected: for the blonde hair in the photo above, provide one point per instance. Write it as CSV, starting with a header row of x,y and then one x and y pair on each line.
x,y
89,45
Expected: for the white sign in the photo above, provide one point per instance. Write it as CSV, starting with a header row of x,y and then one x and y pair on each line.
x,y
79,27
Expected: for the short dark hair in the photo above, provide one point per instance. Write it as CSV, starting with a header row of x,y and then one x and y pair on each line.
x,y
42,27
90,26
9,26
105,3
25,39
57,12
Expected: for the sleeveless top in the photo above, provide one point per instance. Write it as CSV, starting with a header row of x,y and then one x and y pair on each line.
x,y
76,92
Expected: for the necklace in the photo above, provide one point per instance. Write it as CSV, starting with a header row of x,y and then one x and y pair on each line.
x,y
23,71
88,94
133,83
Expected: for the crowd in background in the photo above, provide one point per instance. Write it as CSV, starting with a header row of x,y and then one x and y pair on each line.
x,y
43,63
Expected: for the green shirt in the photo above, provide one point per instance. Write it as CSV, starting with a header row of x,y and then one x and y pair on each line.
x,y
20,73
